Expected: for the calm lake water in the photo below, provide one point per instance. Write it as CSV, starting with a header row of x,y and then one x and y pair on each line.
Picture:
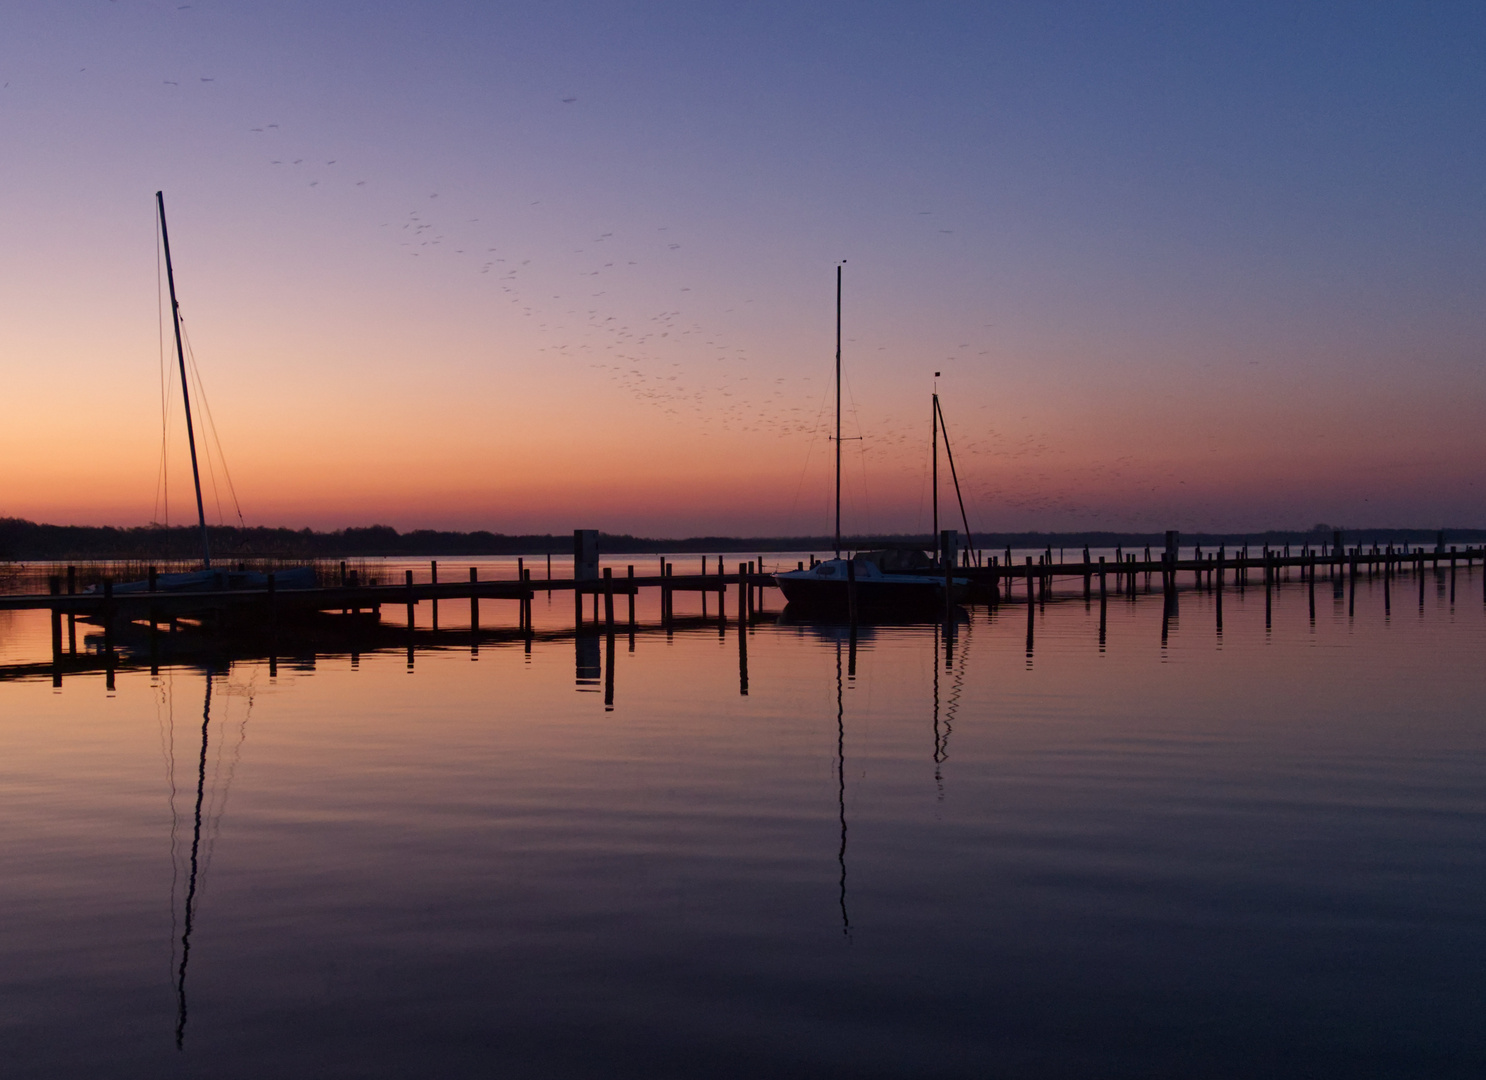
x,y
1178,853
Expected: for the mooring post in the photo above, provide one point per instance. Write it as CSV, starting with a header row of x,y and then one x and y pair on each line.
x,y
474,601
1031,604
609,601
1103,605
947,556
1218,591
629,572
665,593
750,593
742,631
407,581
108,633
433,579
54,585
521,596
1268,587
609,667
1311,580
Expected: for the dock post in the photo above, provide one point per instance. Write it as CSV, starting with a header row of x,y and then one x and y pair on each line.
x,y
609,665
1311,579
1088,576
407,576
474,602
742,631
609,602
71,615
665,593
54,586
108,634
722,597
630,574
1031,605
1268,589
947,557
1103,606
521,598
750,594
1218,592
433,579
1352,587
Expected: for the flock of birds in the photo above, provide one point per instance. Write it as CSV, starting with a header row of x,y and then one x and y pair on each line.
x,y
586,304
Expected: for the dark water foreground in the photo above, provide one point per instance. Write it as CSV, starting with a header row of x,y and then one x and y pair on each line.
x,y
1260,854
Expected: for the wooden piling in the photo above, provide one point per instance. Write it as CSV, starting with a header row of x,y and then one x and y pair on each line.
x,y
609,601
54,586
742,631
408,583
1311,581
474,601
630,574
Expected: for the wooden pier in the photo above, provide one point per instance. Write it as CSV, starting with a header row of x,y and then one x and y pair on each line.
x,y
997,582
139,628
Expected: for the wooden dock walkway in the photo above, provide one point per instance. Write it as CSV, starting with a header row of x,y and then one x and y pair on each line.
x,y
993,583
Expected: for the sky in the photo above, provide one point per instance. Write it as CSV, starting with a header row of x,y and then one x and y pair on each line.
x,y
544,266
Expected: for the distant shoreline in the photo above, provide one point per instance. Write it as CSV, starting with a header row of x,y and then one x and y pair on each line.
x,y
22,540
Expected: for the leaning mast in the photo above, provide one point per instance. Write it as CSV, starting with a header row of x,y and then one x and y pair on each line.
x,y
180,355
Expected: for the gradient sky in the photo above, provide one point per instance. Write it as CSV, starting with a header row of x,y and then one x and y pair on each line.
x,y
557,265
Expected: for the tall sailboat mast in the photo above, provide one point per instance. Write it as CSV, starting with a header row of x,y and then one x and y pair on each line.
x,y
180,355
838,410
934,457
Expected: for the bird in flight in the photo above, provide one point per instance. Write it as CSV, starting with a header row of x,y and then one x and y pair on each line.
x,y
569,100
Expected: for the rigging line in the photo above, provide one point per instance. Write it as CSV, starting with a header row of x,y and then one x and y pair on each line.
x,y
221,454
216,438
969,536
809,449
214,817
866,507
208,426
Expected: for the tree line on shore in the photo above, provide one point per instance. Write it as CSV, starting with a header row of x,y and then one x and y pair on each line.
x,y
27,540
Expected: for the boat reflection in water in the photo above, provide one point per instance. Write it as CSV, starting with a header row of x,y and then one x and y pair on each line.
x,y
206,822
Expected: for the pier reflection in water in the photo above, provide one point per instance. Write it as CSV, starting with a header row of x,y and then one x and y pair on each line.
x,y
784,849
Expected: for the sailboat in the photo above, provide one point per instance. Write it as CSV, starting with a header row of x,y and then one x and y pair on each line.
x,y
207,578
892,581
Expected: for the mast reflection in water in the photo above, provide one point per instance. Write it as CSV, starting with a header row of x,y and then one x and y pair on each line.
x,y
472,869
